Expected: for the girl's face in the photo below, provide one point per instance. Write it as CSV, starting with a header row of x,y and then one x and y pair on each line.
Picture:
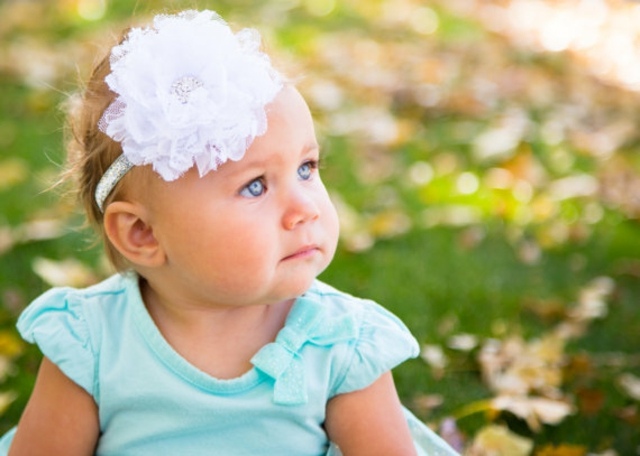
x,y
257,231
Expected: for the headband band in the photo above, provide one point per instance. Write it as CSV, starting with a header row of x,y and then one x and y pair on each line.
x,y
189,92
110,179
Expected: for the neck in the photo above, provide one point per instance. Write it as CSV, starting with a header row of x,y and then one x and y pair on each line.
x,y
232,334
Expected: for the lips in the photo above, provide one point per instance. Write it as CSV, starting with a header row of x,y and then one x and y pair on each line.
x,y
303,252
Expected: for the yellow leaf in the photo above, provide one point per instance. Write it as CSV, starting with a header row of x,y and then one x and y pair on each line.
x,y
13,171
10,344
389,223
6,398
494,440
562,450
7,367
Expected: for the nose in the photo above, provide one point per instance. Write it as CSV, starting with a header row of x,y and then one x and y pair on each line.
x,y
301,207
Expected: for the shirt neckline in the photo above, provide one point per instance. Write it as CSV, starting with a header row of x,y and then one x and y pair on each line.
x,y
178,364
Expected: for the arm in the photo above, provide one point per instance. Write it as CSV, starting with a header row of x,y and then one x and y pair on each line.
x,y
370,422
60,418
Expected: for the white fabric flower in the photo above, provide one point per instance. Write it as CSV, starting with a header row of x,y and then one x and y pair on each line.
x,y
189,92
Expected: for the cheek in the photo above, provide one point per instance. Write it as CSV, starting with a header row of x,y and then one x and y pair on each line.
x,y
332,223
239,244
335,227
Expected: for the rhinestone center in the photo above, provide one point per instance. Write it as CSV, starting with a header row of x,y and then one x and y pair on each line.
x,y
182,88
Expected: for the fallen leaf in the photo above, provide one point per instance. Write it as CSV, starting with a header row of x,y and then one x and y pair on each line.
x,y
550,309
6,398
629,415
69,272
463,342
7,367
7,240
562,450
516,367
435,357
630,384
590,400
495,440
592,302
10,344
389,223
13,171
38,230
534,410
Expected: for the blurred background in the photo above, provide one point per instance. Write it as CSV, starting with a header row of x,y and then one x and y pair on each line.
x,y
484,158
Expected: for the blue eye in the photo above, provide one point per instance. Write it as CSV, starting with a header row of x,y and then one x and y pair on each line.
x,y
253,189
306,170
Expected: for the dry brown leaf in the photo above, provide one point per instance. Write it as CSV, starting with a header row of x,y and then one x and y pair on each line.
x,y
590,400
629,415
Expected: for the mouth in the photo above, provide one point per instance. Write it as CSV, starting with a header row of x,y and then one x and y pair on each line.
x,y
304,252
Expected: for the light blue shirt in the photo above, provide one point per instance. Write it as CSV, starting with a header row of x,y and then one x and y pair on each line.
x,y
152,401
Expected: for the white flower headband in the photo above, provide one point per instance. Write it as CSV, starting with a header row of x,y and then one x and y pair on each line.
x,y
189,92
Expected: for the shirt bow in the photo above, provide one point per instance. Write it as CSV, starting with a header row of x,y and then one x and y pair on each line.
x,y
282,360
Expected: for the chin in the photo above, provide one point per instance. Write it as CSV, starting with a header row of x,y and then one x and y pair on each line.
x,y
300,287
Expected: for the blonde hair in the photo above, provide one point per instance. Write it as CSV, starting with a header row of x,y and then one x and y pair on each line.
x,y
90,152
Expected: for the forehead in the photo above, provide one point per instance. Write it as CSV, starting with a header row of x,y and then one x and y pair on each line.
x,y
289,129
288,107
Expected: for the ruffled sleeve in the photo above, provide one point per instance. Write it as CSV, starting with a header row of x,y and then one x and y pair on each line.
x,y
56,324
383,343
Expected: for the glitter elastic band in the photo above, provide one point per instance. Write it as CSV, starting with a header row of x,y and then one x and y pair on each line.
x,y
110,179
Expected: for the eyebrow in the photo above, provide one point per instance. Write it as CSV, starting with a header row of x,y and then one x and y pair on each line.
x,y
315,146
250,166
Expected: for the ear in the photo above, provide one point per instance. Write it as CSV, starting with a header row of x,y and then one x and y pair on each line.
x,y
127,227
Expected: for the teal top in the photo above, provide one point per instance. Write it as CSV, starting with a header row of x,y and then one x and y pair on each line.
x,y
152,401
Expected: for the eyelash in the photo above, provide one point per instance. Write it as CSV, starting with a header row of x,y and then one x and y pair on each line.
x,y
313,165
